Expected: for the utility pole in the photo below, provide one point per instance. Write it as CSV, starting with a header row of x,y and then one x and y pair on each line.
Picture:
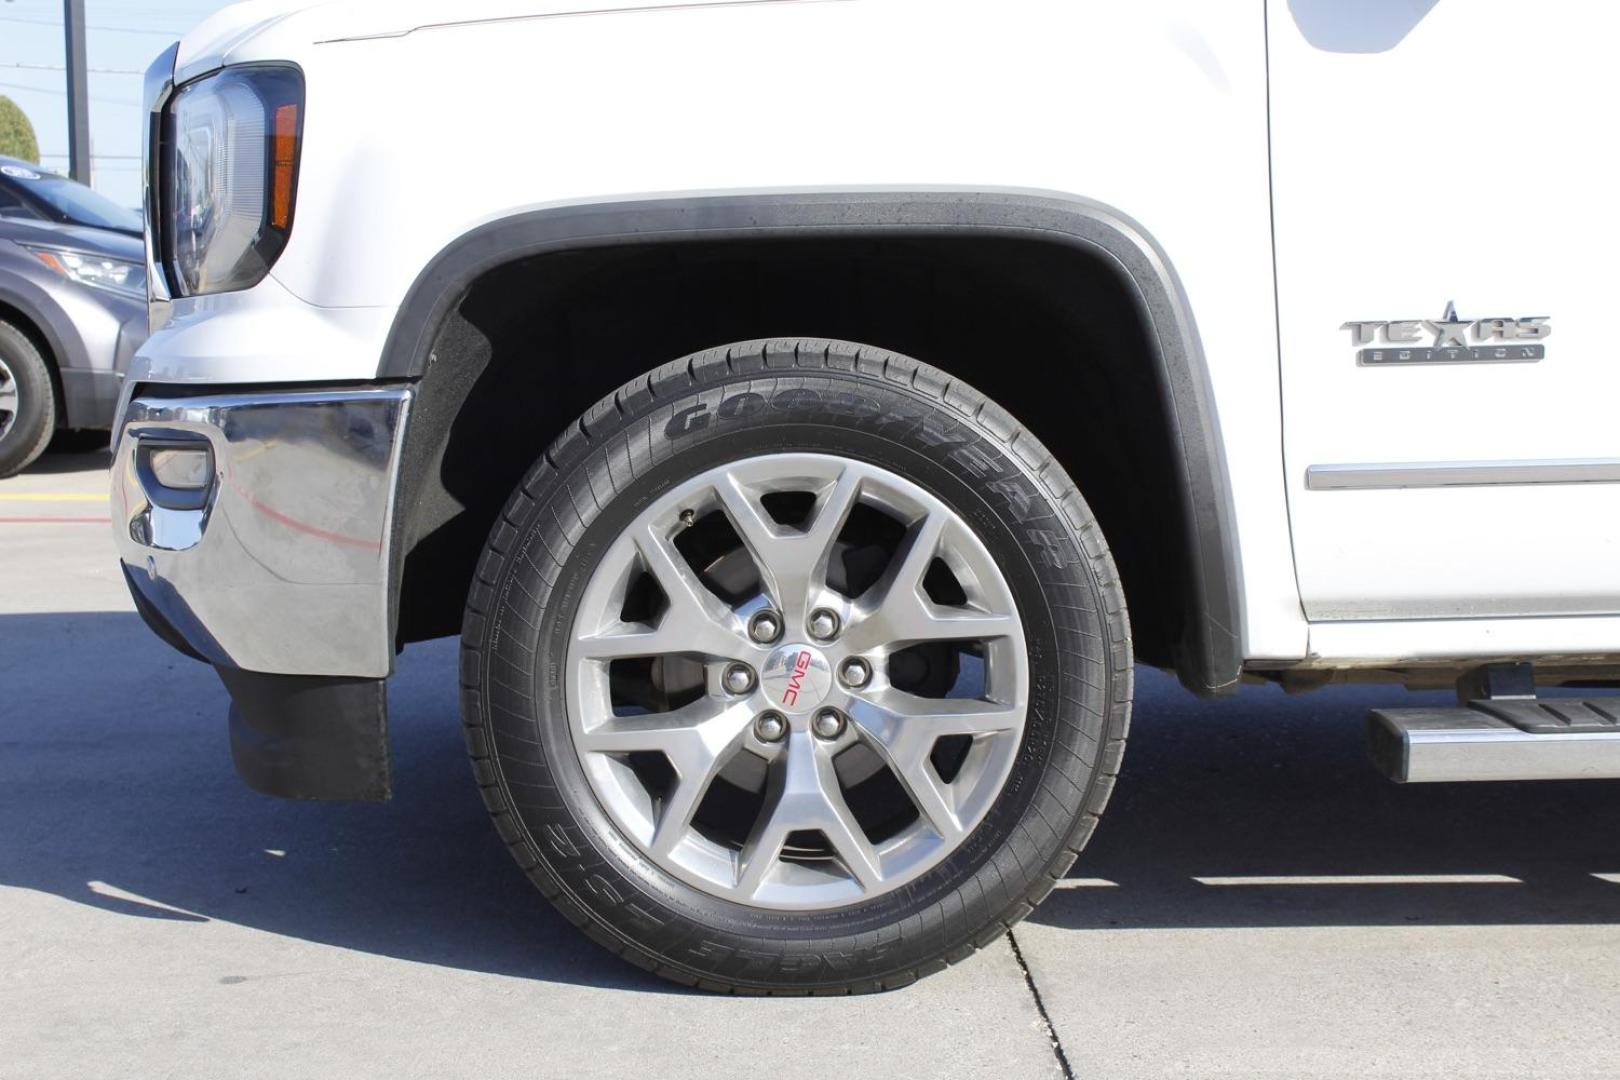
x,y
78,91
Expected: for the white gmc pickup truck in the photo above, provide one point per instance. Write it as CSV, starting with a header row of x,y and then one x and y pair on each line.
x,y
807,413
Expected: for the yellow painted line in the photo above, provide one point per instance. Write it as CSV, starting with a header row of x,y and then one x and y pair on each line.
x,y
50,496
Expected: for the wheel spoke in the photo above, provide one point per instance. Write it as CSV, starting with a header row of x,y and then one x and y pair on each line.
x,y
697,762
896,597
762,848
937,716
804,795
841,828
749,518
932,796
691,604
792,563
697,739
904,575
894,612
831,512
916,619
695,620
655,731
903,728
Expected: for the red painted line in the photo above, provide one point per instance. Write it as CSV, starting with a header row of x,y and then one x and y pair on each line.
x,y
55,521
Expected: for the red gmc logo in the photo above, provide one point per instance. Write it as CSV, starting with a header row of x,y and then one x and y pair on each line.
x,y
801,664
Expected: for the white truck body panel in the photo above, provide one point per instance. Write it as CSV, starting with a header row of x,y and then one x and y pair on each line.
x,y
1456,164
417,131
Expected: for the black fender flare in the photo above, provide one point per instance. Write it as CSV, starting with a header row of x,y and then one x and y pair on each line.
x,y
1210,661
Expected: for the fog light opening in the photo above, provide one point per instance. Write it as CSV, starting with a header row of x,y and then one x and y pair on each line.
x,y
185,470
178,474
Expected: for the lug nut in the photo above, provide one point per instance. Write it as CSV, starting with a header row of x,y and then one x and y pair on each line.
x,y
738,678
765,627
823,624
855,672
829,723
770,726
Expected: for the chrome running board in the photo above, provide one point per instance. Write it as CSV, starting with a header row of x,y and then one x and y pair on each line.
x,y
1523,739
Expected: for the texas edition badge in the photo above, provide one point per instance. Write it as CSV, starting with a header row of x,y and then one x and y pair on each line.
x,y
1456,341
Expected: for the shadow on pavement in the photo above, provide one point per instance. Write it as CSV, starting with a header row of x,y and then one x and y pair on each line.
x,y
1271,786
54,462
116,791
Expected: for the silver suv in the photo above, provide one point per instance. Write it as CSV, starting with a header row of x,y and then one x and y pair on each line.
x,y
72,308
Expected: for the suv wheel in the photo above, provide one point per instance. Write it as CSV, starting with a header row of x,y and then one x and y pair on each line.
x,y
796,667
27,402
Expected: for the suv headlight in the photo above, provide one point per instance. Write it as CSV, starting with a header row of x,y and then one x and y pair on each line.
x,y
98,271
228,176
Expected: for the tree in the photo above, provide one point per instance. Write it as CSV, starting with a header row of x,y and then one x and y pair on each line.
x,y
16,133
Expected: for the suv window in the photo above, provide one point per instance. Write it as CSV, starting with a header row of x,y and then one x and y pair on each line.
x,y
66,200
12,205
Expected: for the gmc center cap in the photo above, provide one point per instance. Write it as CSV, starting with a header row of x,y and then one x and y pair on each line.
x,y
796,678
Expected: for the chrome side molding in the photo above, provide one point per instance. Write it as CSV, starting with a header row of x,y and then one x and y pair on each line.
x,y
1435,474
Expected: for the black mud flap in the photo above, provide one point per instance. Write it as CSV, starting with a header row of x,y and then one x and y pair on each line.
x,y
310,736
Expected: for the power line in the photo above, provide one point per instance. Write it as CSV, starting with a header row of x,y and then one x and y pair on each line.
x,y
111,29
63,93
59,67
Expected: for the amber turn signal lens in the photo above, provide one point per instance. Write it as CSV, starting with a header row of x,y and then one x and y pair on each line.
x,y
284,152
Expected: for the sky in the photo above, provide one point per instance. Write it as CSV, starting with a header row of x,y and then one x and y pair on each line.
x,y
123,37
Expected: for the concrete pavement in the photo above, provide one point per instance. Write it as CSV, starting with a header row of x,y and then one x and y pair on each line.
x,y
1257,902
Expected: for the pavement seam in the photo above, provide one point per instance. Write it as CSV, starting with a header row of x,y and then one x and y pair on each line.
x,y
1040,1009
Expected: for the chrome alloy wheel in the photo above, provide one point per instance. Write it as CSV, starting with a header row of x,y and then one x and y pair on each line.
x,y
797,681
10,400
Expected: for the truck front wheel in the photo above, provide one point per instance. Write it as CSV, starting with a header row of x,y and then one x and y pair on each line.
x,y
796,667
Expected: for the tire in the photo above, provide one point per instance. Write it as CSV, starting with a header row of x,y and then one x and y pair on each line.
x,y
731,412
27,401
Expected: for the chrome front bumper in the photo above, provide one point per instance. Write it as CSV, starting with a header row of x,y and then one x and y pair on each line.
x,y
282,563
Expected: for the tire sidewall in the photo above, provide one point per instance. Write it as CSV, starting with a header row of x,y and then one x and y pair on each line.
x,y
958,459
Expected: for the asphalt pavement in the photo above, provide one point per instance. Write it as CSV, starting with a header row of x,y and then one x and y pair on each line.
x,y
1257,903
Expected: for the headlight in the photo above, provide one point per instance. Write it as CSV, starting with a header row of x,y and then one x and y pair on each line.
x,y
229,176
100,271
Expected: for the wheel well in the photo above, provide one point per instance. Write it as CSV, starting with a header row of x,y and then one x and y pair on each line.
x,y
1050,331
16,317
